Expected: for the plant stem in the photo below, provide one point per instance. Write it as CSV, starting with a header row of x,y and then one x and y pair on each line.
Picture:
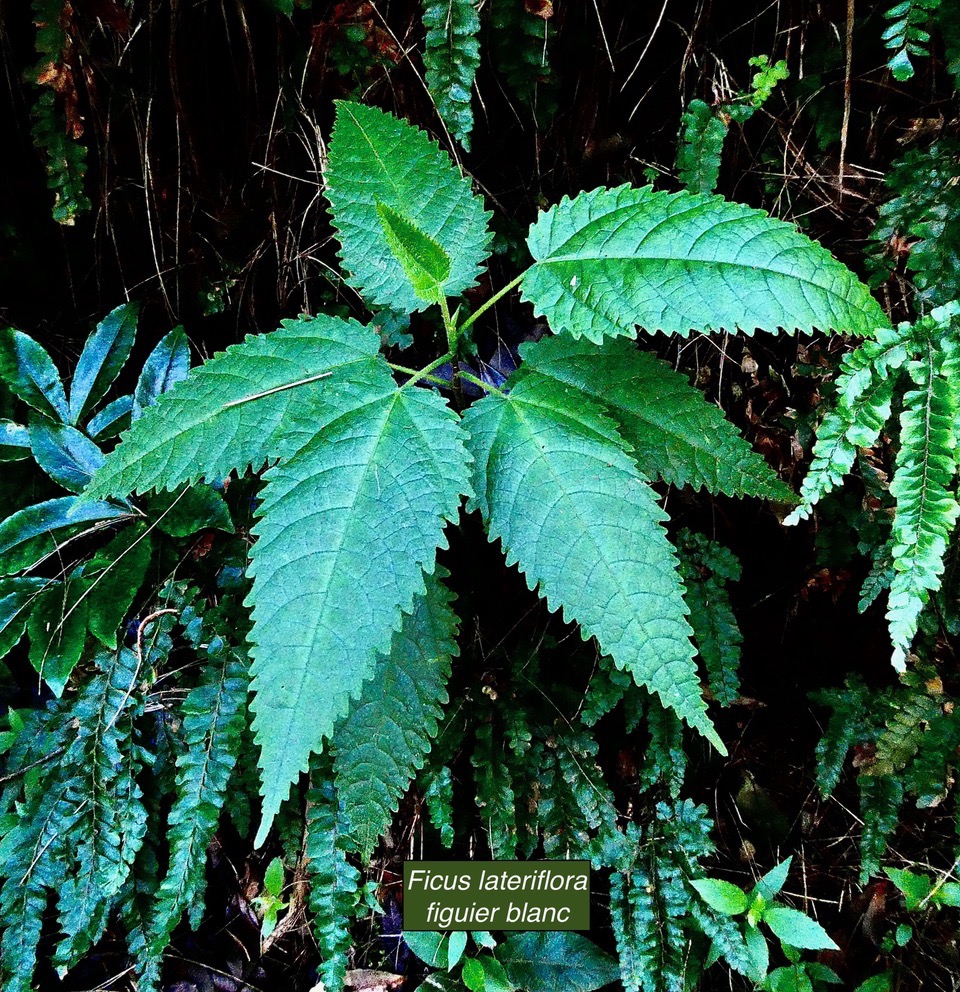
x,y
493,299
483,385
424,373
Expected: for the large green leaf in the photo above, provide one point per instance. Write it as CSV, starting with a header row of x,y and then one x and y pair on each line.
x,y
348,525
387,735
255,401
675,433
610,260
549,962
451,57
557,486
377,159
105,353
67,456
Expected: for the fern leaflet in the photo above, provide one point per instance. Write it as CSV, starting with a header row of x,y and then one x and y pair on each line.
x,y
451,57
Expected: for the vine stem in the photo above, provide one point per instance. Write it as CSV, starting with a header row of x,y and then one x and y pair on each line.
x,y
493,299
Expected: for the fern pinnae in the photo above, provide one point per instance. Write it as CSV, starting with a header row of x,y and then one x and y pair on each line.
x,y
452,57
213,719
926,508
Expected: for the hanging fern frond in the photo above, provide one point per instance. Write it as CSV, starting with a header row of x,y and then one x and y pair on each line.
x,y
881,797
334,882
927,508
521,46
907,34
707,569
851,710
702,133
451,57
213,720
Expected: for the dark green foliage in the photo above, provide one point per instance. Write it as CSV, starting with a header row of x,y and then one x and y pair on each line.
x,y
57,125
451,56
907,34
701,145
520,41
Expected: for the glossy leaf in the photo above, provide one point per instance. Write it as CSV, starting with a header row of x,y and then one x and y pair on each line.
x,y
105,353
67,456
30,374
167,365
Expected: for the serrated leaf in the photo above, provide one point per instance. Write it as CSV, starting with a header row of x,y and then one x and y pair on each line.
x,y
675,433
451,57
104,354
254,402
166,365
797,929
387,735
14,442
612,259
30,374
426,264
545,962
33,533
555,483
915,887
67,456
724,897
376,158
770,884
347,527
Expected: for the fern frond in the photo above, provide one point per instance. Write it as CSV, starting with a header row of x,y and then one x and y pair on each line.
x,y
438,796
521,43
926,509
213,720
105,837
334,883
612,259
849,721
452,56
864,394
907,725
702,133
907,34
665,760
387,735
495,794
558,489
675,433
706,568
881,797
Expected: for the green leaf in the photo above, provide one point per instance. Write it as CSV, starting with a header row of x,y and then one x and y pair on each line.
x,y
386,737
16,597
456,947
67,456
758,951
473,975
611,259
877,983
32,533
30,374
545,962
675,433
451,57
104,355
14,442
256,401
915,887
167,365
273,878
724,897
770,884
347,528
426,264
111,420
426,944
797,929
791,979
555,483
57,629
188,510
927,508
375,158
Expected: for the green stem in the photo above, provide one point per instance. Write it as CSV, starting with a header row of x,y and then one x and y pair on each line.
x,y
449,325
479,382
493,299
424,373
